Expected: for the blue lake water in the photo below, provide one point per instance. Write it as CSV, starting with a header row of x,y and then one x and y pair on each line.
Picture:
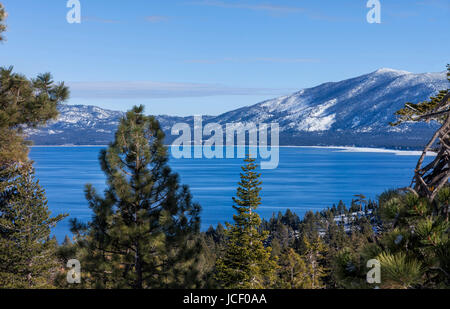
x,y
306,179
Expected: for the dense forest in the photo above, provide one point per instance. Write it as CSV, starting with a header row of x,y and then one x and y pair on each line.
x,y
145,227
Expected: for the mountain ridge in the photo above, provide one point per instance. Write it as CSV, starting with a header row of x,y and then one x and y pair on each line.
x,y
351,112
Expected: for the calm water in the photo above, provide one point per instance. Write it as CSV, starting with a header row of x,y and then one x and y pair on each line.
x,y
306,179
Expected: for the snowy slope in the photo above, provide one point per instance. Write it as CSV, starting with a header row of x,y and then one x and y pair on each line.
x,y
363,104
356,111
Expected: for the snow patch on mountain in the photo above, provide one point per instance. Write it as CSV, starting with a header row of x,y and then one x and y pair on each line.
x,y
360,107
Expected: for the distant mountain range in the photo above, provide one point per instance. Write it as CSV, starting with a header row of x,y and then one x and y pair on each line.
x,y
352,112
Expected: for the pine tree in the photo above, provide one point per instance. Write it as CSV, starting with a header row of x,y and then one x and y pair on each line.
x,y
144,230
341,208
27,254
413,248
293,274
430,179
3,16
246,263
416,243
361,199
314,257
25,102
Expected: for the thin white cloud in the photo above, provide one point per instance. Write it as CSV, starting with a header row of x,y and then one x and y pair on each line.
x,y
156,19
260,59
149,90
271,8
288,60
98,20
403,14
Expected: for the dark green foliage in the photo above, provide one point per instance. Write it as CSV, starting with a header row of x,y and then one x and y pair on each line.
x,y
246,263
314,256
3,16
360,201
144,230
29,102
327,230
413,242
211,251
413,248
27,254
293,272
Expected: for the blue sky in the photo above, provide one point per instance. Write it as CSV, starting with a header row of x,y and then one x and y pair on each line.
x,y
184,57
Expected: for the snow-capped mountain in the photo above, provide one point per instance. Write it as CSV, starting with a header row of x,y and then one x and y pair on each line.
x,y
78,125
355,111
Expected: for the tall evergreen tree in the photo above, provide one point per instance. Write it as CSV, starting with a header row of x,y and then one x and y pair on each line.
x,y
246,263
361,200
27,254
144,230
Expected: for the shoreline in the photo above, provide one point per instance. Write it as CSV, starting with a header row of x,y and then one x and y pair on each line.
x,y
339,148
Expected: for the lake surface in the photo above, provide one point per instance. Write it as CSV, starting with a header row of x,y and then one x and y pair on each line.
x,y
306,179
